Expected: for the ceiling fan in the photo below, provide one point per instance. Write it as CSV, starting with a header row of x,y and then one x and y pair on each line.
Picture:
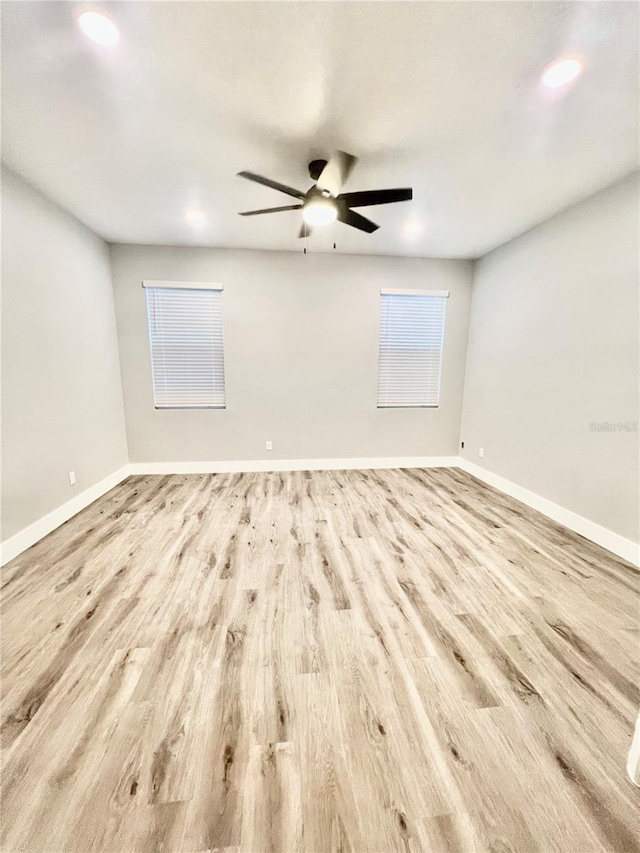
x,y
325,202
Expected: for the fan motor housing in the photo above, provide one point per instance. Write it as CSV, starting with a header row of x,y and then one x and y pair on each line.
x,y
315,168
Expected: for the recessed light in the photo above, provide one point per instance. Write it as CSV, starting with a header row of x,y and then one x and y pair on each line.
x,y
196,217
99,28
561,72
413,229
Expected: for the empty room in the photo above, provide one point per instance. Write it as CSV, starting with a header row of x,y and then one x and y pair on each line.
x,y
320,449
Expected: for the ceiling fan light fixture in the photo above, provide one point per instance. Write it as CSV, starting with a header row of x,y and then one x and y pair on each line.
x,y
320,211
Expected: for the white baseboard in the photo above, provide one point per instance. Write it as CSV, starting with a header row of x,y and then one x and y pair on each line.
x,y
613,542
34,532
251,465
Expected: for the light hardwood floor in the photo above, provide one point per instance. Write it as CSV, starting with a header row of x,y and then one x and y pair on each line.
x,y
355,661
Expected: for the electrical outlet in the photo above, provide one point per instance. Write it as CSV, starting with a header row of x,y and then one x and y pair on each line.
x,y
268,445
72,478
481,452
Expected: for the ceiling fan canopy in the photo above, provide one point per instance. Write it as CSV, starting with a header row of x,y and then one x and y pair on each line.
x,y
324,202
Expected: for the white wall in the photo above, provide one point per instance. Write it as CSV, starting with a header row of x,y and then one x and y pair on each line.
x,y
301,350
553,347
61,390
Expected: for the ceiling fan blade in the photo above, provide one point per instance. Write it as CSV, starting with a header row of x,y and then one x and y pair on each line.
x,y
250,176
336,172
350,217
362,199
305,230
270,210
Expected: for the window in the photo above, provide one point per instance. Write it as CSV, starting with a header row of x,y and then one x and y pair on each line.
x,y
410,354
185,336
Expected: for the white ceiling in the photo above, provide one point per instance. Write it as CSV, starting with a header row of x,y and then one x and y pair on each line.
x,y
443,96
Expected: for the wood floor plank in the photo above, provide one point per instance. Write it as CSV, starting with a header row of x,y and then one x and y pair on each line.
x,y
367,661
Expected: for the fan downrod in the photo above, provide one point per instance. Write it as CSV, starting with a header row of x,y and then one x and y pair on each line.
x,y
315,168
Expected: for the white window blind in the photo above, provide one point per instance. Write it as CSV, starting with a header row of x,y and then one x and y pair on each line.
x,y
410,354
185,336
